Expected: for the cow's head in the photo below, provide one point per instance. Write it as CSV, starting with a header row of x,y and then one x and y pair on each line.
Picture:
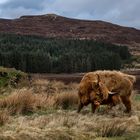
x,y
94,91
100,89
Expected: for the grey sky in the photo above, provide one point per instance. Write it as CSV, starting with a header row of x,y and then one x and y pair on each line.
x,y
123,12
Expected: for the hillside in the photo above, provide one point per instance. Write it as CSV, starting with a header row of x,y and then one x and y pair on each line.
x,y
52,25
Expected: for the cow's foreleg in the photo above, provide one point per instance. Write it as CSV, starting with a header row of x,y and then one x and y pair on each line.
x,y
94,107
80,106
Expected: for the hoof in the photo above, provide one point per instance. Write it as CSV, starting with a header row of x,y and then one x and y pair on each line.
x,y
127,111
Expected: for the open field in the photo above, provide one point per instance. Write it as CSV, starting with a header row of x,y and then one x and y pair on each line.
x,y
46,110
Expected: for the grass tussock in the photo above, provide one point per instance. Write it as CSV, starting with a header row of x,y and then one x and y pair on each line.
x,y
66,100
112,129
19,102
25,101
51,87
4,116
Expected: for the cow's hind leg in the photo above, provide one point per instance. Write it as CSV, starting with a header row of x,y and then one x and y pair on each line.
x,y
127,102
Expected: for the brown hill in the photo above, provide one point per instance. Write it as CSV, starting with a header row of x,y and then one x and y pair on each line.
x,y
52,25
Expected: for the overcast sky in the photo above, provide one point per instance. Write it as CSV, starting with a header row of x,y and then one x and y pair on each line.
x,y
123,12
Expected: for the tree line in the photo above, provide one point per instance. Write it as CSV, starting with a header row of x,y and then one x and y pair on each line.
x,y
48,55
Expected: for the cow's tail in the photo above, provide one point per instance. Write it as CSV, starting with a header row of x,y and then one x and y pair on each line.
x,y
131,78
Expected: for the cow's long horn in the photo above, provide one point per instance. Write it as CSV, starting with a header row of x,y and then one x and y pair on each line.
x,y
112,93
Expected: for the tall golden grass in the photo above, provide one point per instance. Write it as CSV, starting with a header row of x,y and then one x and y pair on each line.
x,y
19,102
112,129
4,116
50,87
24,101
66,100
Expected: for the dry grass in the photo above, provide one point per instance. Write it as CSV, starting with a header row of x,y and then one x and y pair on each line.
x,y
47,118
112,129
24,101
20,102
66,100
4,116
50,87
64,125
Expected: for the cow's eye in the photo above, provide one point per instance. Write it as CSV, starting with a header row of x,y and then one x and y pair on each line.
x,y
101,96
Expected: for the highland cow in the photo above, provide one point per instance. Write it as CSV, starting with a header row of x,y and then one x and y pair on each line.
x,y
98,88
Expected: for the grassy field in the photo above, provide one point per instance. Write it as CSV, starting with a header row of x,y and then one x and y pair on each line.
x,y
46,110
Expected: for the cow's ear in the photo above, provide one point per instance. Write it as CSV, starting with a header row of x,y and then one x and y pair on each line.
x,y
101,84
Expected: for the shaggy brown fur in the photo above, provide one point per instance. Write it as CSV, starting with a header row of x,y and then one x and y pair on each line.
x,y
111,100
95,86
97,99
